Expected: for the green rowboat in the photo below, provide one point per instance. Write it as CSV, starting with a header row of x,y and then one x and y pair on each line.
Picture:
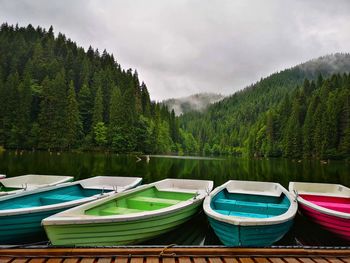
x,y
130,217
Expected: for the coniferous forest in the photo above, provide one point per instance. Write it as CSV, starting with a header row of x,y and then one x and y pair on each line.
x,y
54,95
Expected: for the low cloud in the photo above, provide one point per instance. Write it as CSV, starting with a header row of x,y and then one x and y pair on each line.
x,y
185,47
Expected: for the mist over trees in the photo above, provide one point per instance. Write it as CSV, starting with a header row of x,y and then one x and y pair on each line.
x,y
54,95
302,112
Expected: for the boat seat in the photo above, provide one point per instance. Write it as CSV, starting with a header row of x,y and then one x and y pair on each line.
x,y
55,199
118,211
154,202
340,207
250,207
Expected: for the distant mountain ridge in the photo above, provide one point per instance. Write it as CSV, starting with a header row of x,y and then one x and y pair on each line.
x,y
243,122
196,102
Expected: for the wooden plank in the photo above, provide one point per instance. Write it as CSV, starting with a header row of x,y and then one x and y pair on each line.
x,y
347,260
87,260
168,260
121,260
70,260
37,260
291,260
54,260
5,259
184,260
136,260
261,260
246,260
198,260
215,260
104,260
19,260
306,260
276,260
334,260
152,260
230,260
320,260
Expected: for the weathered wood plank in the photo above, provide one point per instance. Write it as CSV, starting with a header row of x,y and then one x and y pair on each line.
x,y
168,260
276,260
37,260
70,260
306,260
246,260
87,260
199,260
184,260
121,260
215,260
5,259
152,260
104,260
320,260
230,260
334,260
261,260
20,260
291,260
347,260
136,260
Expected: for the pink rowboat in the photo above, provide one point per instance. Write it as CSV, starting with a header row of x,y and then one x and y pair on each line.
x,y
325,204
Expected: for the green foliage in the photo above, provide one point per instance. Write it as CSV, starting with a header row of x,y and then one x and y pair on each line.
x,y
54,95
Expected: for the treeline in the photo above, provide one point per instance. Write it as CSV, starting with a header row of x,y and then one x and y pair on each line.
x,y
251,122
314,121
55,95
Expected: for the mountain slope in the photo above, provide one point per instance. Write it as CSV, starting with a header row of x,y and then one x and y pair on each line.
x,y
196,102
225,126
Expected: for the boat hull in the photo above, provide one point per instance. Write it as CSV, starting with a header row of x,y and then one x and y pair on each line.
x,y
23,227
119,233
249,236
337,225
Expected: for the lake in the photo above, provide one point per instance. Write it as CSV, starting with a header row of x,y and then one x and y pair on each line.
x,y
218,169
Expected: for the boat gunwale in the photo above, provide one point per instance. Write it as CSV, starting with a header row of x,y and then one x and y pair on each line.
x,y
315,207
248,221
63,205
64,218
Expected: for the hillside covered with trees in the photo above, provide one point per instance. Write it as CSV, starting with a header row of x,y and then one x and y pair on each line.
x,y
54,95
299,112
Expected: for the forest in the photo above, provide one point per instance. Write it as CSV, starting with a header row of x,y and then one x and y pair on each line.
x,y
56,96
301,112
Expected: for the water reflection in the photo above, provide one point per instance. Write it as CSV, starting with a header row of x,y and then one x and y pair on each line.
x,y
197,230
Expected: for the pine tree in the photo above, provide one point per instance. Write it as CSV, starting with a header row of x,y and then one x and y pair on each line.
x,y
73,124
85,107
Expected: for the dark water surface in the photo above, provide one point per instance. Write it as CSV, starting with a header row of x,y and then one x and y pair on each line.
x,y
221,169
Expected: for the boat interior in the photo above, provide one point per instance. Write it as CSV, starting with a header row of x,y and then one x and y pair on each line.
x,y
145,200
249,205
56,196
340,204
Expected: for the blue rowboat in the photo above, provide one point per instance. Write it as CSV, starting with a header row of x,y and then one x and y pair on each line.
x,y
254,214
21,214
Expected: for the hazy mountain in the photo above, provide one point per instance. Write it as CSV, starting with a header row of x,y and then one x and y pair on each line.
x,y
248,119
196,102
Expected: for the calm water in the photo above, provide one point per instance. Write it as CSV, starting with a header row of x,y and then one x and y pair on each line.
x,y
196,231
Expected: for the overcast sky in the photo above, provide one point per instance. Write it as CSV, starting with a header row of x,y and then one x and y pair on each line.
x,y
183,47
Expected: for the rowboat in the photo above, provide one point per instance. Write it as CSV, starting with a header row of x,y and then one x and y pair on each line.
x,y
244,213
21,214
18,184
325,204
2,176
130,217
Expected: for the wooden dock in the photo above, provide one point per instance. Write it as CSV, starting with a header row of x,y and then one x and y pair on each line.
x,y
174,255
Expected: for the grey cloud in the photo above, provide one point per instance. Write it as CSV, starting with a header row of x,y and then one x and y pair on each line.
x,y
184,47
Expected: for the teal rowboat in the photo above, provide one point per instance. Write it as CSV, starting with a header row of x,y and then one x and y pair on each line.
x,y
17,184
130,217
254,214
21,214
